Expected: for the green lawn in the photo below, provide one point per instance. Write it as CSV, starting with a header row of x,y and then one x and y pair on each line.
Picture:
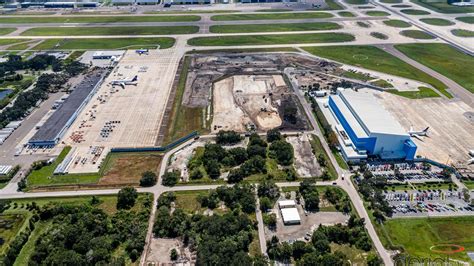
x,y
463,33
333,5
105,43
469,184
98,19
10,225
78,31
391,1
318,148
357,75
417,34
4,31
191,12
397,23
376,59
469,20
437,21
306,15
422,93
401,6
417,235
346,14
379,35
416,12
12,41
382,83
356,2
274,27
443,7
443,59
271,39
363,24
377,13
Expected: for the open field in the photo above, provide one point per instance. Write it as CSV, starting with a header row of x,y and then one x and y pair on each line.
x,y
333,5
105,43
469,20
375,59
306,15
443,7
206,11
379,35
88,31
391,1
274,27
437,21
417,34
397,23
97,19
4,31
415,12
417,235
319,149
11,41
450,132
346,14
377,13
463,33
356,2
422,93
271,39
10,225
443,59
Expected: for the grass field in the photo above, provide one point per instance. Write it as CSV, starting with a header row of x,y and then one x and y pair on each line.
x,y
191,12
463,33
10,225
423,92
183,120
376,59
11,41
417,235
443,7
391,1
437,21
78,31
274,27
377,13
357,75
417,34
306,15
4,31
105,43
271,39
98,19
363,24
356,2
333,5
416,12
443,59
469,20
469,184
379,35
401,6
397,23
346,14
318,148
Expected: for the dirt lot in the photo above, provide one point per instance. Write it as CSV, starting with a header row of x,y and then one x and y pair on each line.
x,y
451,125
305,163
127,168
160,249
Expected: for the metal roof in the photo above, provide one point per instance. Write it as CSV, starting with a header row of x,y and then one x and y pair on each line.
x,y
290,215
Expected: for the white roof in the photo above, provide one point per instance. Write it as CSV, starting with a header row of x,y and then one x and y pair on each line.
x,y
290,215
285,203
373,117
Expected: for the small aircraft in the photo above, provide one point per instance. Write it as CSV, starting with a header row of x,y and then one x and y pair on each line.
x,y
470,161
418,134
123,82
141,51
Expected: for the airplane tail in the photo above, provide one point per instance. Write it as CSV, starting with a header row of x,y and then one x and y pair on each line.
x,y
426,129
135,78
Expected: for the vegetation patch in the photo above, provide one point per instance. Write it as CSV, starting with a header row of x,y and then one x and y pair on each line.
x,y
417,34
87,31
363,24
10,225
401,6
306,15
444,59
463,33
469,20
397,23
333,5
105,43
271,39
415,12
379,35
275,27
357,2
12,41
377,13
5,31
376,59
437,21
97,19
442,6
391,1
423,92
346,14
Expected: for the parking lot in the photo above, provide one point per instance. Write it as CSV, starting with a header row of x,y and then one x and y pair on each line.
x,y
413,172
430,202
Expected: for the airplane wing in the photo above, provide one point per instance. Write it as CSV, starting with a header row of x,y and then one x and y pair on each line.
x,y
122,84
417,137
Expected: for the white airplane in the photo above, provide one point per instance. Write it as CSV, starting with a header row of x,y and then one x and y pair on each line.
x,y
141,51
470,161
421,133
126,81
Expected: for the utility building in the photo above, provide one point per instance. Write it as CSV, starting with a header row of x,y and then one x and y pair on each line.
x,y
366,129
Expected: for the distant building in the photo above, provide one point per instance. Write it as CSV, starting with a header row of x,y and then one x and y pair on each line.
x,y
147,2
366,129
122,2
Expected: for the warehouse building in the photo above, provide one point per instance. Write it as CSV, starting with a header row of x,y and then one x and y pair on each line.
x,y
57,124
365,129
289,212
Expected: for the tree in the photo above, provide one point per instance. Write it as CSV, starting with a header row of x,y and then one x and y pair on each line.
x,y
239,154
270,220
373,260
235,176
260,260
228,137
213,168
173,254
273,135
282,151
148,179
300,248
196,174
126,198
268,188
170,179
265,204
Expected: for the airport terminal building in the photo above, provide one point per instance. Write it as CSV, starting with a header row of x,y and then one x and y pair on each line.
x,y
365,129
